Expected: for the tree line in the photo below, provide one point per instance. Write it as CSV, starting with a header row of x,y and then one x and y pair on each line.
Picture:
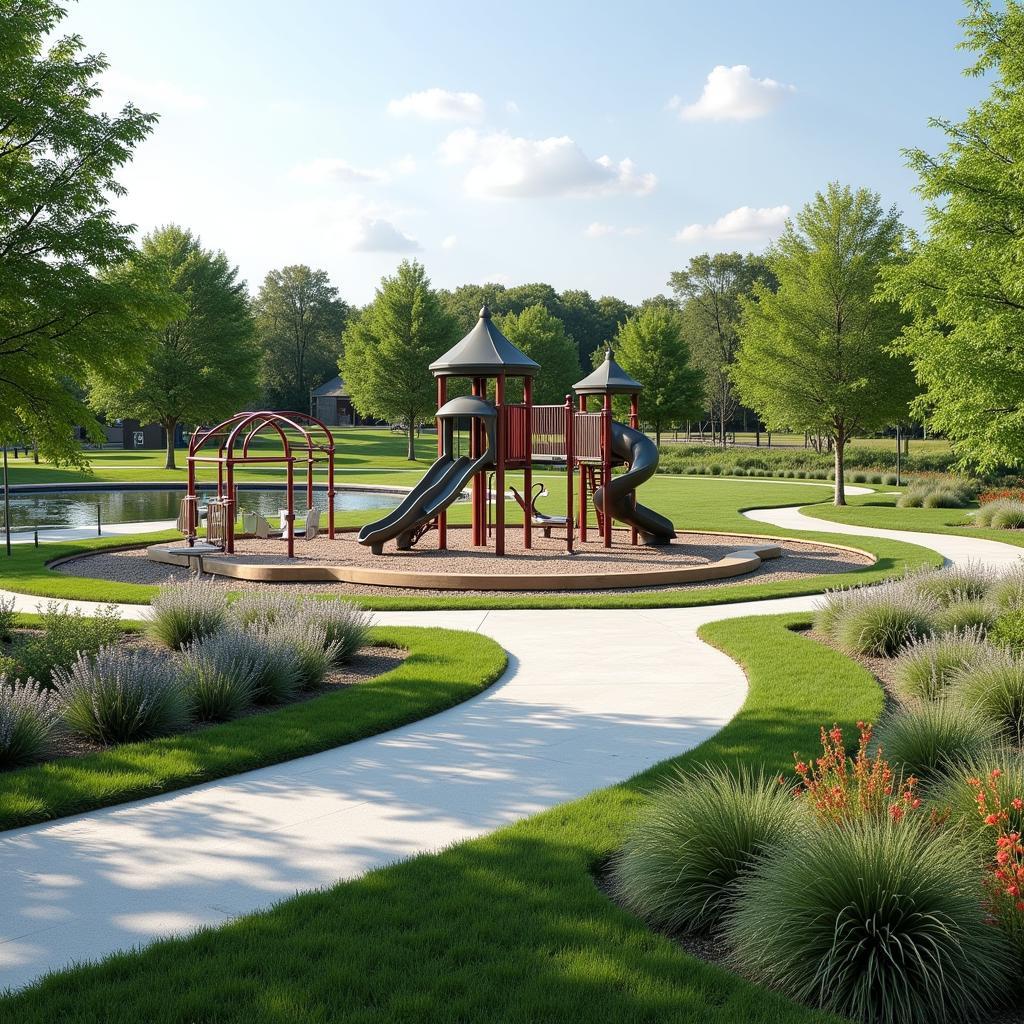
x,y
848,322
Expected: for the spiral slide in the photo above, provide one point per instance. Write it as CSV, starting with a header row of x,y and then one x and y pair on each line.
x,y
640,454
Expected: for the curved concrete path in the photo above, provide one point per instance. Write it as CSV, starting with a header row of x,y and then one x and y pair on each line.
x,y
590,698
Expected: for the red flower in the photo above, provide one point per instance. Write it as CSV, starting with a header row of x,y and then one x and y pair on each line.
x,y
991,819
895,812
1017,803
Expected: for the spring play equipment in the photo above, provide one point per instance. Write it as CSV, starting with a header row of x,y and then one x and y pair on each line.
x,y
303,440
514,436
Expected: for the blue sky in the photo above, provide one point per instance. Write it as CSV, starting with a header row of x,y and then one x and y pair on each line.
x,y
587,145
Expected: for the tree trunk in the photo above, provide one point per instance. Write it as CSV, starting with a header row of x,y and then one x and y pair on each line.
x,y
657,434
410,452
721,426
169,426
840,453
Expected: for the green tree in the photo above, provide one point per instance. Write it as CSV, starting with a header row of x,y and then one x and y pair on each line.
x,y
542,337
199,367
651,346
299,324
814,354
592,323
963,282
709,292
388,349
61,314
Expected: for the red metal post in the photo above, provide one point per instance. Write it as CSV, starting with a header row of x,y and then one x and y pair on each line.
x,y
442,518
499,475
606,468
330,493
528,468
634,423
570,458
289,518
477,485
190,504
309,479
584,509
229,509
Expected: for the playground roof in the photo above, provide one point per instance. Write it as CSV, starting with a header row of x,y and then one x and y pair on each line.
x,y
467,405
484,352
608,379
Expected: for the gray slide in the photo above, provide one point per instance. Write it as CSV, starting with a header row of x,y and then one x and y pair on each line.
x,y
640,454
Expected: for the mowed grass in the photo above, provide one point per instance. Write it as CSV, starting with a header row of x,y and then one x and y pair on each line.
x,y
881,511
694,503
507,929
443,668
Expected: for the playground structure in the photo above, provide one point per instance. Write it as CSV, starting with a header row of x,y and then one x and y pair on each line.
x,y
513,436
304,440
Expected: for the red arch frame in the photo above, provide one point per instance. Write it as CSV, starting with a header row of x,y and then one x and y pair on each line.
x,y
316,442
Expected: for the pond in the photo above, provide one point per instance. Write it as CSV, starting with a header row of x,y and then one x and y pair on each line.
x,y
54,509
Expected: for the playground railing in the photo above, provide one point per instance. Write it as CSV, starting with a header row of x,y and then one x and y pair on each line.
x,y
588,428
549,430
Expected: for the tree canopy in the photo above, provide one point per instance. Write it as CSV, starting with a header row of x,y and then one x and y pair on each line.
x,y
389,347
814,354
201,366
963,283
542,337
61,315
651,347
710,292
299,324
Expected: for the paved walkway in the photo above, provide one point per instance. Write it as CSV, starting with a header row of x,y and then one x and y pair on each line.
x,y
590,698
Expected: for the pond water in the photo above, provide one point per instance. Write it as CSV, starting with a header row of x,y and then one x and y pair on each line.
x,y
53,509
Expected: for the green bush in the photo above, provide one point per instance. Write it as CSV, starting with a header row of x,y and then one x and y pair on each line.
x,y
926,667
183,613
878,620
995,686
938,492
219,672
1009,516
117,696
859,478
29,717
716,470
881,922
7,618
966,615
346,625
931,738
682,857
892,480
61,636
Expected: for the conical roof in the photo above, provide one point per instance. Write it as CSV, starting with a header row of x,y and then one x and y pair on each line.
x,y
484,352
608,379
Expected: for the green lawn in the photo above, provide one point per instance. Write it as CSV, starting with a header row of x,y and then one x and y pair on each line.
x,y
880,510
507,929
444,667
694,503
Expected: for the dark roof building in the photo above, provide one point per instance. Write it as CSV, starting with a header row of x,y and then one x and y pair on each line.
x,y
484,352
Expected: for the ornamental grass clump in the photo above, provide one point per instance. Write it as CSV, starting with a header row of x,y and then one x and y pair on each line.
x,y
219,675
954,798
1003,514
314,653
925,668
878,621
969,581
264,607
880,921
683,856
966,615
29,718
118,696
183,613
1007,593
275,664
345,624
995,686
935,737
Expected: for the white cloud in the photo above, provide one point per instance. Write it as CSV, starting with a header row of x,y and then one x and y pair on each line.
x,y
376,235
599,230
733,94
155,94
327,169
449,242
743,222
507,166
439,105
